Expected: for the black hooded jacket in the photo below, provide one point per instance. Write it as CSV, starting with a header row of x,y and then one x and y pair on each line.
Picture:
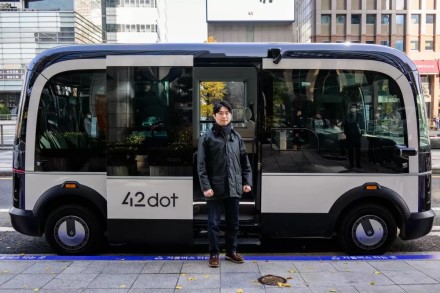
x,y
222,164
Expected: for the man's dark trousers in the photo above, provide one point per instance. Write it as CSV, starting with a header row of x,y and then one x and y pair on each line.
x,y
215,208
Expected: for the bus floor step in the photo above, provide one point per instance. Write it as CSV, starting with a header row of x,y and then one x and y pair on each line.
x,y
241,241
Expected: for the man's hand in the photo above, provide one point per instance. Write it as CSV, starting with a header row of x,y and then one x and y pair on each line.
x,y
208,193
247,188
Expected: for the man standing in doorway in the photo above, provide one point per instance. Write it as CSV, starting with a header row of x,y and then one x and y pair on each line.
x,y
224,173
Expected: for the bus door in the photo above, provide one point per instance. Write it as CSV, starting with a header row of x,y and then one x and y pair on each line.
x,y
237,85
149,148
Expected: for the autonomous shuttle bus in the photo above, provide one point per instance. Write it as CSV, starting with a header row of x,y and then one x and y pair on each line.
x,y
107,139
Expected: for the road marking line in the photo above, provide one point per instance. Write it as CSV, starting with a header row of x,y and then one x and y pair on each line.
x,y
7,229
4,210
435,228
436,209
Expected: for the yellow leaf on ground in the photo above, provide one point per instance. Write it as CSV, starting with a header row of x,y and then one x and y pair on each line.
x,y
332,290
372,283
289,278
191,279
292,271
378,273
183,274
239,290
122,286
206,276
281,285
178,287
36,289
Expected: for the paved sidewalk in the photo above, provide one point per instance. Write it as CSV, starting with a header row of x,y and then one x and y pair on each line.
x,y
344,275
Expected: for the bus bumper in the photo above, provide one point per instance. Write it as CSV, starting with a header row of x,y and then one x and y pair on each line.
x,y
24,222
416,225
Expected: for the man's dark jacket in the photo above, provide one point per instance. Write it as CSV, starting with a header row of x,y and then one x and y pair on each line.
x,y
222,164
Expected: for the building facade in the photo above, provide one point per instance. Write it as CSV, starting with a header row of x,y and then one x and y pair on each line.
x,y
135,21
27,28
251,20
412,26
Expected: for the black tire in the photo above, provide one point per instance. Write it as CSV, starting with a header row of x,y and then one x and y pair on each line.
x,y
367,230
86,233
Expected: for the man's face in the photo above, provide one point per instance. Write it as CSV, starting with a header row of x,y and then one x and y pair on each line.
x,y
223,117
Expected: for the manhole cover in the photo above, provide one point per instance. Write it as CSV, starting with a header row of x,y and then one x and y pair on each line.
x,y
271,280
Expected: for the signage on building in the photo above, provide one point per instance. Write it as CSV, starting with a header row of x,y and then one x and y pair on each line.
x,y
427,66
250,10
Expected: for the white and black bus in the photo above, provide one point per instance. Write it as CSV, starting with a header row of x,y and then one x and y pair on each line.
x,y
107,139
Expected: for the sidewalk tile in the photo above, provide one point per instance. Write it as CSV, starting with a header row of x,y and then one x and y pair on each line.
x,y
199,281
323,279
157,291
245,290
379,289
246,267
409,277
156,281
6,277
14,267
391,266
48,267
282,269
31,281
312,267
172,267
115,281
271,289
241,280
337,289
77,267
200,267
353,266
132,267
89,290
421,288
152,267
70,281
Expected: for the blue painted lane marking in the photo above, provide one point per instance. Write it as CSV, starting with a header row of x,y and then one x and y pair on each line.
x,y
199,258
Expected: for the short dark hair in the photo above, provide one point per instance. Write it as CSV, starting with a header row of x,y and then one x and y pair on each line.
x,y
219,104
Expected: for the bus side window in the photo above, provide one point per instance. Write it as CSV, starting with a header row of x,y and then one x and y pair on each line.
x,y
63,143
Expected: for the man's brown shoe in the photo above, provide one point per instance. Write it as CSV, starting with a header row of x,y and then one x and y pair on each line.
x,y
234,257
214,261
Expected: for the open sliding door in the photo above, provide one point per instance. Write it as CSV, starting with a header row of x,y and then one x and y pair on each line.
x,y
149,148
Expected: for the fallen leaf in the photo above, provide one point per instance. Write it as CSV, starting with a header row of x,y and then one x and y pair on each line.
x,y
178,287
378,273
289,278
206,276
191,279
36,289
239,290
282,285
183,274
332,290
372,283
292,271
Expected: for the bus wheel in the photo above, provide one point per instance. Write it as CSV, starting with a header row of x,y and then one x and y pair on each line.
x,y
73,229
369,229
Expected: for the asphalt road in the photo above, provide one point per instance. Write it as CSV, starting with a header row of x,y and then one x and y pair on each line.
x,y
12,242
